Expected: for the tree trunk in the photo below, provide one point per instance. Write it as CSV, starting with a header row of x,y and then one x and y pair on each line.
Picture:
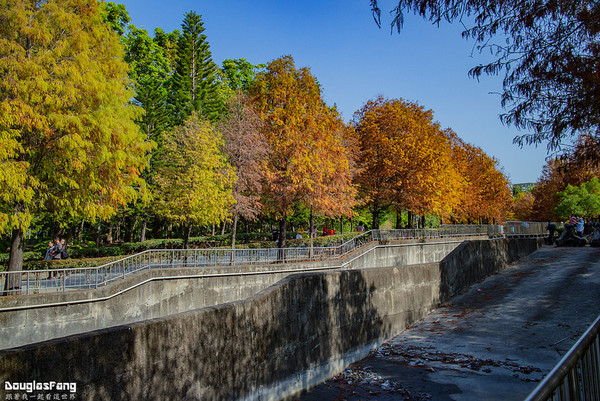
x,y
282,239
120,227
187,229
80,233
109,235
398,219
410,219
310,232
375,224
143,230
283,232
223,229
233,233
98,233
341,225
15,261
423,223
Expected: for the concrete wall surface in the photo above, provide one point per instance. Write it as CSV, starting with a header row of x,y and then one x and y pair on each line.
x,y
156,293
286,338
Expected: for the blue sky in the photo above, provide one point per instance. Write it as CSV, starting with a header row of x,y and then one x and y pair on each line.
x,y
355,61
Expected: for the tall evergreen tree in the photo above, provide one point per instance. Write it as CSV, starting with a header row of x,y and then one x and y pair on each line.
x,y
194,86
150,71
151,62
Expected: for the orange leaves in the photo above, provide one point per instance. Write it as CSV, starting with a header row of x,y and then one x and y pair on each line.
x,y
310,161
487,194
410,163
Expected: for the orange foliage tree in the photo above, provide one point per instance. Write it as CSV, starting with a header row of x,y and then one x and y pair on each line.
x,y
487,195
406,159
309,162
522,208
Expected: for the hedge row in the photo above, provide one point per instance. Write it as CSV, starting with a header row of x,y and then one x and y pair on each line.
x,y
26,256
65,264
91,256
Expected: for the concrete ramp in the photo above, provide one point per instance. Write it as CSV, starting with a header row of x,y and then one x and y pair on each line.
x,y
494,342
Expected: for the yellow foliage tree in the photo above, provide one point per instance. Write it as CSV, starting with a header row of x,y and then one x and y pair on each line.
x,y
68,142
194,180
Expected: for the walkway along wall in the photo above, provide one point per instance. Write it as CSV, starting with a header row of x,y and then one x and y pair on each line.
x,y
282,340
156,293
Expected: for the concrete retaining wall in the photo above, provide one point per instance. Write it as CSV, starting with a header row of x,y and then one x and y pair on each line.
x,y
286,338
165,292
473,261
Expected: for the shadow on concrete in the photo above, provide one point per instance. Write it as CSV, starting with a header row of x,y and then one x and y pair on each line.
x,y
283,339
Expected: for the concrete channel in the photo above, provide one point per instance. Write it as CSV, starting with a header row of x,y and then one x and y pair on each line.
x,y
281,331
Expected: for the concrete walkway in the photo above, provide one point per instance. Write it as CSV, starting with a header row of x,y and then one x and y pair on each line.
x,y
494,342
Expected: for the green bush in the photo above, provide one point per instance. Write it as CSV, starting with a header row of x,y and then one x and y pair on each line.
x,y
83,256
26,256
76,252
67,263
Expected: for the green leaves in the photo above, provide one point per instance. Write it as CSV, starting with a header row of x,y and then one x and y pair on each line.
x,y
239,74
580,201
194,86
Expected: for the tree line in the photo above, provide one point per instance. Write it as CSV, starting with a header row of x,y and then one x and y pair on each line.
x,y
567,186
102,125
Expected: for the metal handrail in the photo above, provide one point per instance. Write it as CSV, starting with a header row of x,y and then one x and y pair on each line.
x,y
60,280
577,375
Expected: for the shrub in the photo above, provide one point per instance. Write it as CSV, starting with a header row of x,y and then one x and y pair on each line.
x,y
26,256
65,263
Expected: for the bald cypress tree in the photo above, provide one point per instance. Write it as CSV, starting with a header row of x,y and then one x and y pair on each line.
x,y
68,143
194,85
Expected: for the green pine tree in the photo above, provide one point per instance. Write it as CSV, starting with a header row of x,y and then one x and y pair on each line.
x,y
150,72
194,85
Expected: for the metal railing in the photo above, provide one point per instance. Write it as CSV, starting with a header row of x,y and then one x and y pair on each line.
x,y
525,228
61,280
577,375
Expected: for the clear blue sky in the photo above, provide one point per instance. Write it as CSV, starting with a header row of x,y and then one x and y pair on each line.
x,y
355,61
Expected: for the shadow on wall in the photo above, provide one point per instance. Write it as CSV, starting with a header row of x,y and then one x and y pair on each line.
x,y
473,261
292,335
233,351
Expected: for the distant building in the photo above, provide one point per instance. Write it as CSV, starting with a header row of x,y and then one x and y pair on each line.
x,y
523,187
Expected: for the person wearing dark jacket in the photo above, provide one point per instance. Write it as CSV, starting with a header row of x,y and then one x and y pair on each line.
x,y
57,250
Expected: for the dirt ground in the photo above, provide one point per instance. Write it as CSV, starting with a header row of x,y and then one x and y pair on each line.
x,y
494,342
